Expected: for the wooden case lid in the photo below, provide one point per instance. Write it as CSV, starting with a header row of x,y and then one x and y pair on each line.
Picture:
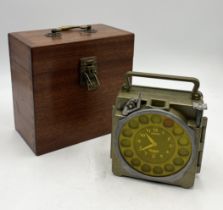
x,y
38,38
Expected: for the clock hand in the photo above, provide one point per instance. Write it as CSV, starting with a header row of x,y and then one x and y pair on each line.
x,y
146,147
152,144
153,150
151,140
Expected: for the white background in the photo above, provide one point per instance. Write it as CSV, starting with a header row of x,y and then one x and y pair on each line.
x,y
172,36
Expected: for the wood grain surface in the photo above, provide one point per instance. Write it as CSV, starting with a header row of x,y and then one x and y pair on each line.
x,y
62,112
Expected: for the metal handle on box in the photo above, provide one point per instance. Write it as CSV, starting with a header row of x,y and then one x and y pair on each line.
x,y
56,32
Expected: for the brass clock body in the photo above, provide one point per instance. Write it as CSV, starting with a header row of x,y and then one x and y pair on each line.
x,y
157,134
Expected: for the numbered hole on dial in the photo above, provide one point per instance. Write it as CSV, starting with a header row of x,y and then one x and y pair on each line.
x,y
146,168
156,119
178,161
157,170
168,123
169,167
183,152
135,162
128,153
125,143
127,132
183,141
133,124
178,131
143,119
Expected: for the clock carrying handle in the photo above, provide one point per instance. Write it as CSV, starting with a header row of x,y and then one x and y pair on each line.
x,y
195,93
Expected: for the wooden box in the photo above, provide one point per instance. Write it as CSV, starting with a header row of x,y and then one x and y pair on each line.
x,y
53,107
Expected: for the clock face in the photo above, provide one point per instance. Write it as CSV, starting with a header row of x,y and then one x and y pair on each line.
x,y
155,144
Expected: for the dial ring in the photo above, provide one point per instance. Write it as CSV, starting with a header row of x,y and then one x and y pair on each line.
x,y
172,169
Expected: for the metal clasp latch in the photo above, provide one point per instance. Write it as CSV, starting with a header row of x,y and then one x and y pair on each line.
x,y
88,73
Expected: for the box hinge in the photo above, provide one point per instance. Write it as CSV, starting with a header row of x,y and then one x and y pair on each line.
x,y
201,143
88,73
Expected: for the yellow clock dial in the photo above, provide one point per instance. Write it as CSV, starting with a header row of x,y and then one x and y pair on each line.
x,y
155,144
